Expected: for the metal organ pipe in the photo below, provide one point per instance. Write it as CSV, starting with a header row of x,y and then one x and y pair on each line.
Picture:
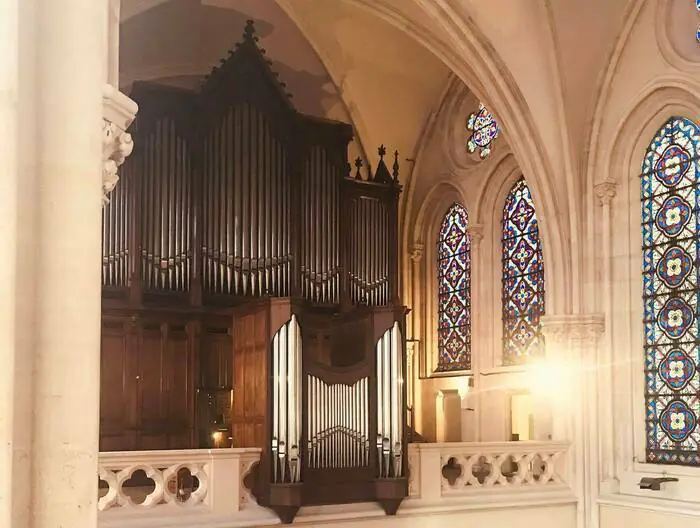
x,y
224,158
148,203
337,424
389,353
253,195
237,198
161,182
154,227
115,222
286,401
259,176
279,212
178,214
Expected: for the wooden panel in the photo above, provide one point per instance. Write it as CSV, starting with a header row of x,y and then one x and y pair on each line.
x,y
251,348
178,389
118,387
151,376
216,359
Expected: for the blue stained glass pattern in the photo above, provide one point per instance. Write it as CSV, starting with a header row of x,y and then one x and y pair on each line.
x,y
454,288
670,185
523,277
484,130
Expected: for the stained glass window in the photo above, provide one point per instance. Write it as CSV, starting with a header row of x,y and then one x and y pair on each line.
x,y
670,184
484,129
697,31
454,289
523,277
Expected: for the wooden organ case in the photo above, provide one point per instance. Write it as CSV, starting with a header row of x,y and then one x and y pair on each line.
x,y
250,292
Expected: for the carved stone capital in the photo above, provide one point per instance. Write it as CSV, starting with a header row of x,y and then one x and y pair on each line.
x,y
558,329
417,251
476,231
605,191
118,112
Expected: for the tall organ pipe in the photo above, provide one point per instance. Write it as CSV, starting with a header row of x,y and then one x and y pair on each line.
x,y
286,401
237,200
390,404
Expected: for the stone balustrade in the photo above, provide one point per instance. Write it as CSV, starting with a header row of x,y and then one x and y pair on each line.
x,y
166,483
206,487
462,469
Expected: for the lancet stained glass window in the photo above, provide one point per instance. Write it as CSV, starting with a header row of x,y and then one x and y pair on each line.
x,y
670,184
454,289
523,277
484,130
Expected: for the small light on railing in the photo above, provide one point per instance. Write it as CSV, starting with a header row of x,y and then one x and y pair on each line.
x,y
217,436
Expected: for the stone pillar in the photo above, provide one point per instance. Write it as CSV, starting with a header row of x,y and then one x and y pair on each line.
x,y
606,191
571,354
9,241
417,288
411,377
416,257
71,54
52,73
114,12
476,232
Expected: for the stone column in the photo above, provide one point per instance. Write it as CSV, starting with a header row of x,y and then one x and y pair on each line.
x,y
476,232
417,289
416,257
571,352
71,54
605,192
52,58
13,492
114,12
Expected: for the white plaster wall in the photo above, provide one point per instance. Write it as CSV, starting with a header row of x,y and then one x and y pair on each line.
x,y
616,516
542,517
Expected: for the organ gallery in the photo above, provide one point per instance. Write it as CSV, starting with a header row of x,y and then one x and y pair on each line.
x,y
250,291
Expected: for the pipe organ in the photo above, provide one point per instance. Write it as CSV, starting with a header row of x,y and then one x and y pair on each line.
x,y
338,427
250,291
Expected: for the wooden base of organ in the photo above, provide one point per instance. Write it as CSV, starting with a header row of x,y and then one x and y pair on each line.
x,y
250,287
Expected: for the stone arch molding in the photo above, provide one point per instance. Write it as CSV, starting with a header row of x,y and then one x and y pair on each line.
x,y
425,235
456,105
454,37
655,104
667,41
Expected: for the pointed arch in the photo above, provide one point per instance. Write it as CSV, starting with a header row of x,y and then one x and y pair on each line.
x,y
523,279
454,291
670,201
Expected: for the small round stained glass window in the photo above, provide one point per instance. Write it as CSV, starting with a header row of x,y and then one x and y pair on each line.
x,y
484,130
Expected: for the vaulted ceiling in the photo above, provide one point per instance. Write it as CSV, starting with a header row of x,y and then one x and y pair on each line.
x,y
376,63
